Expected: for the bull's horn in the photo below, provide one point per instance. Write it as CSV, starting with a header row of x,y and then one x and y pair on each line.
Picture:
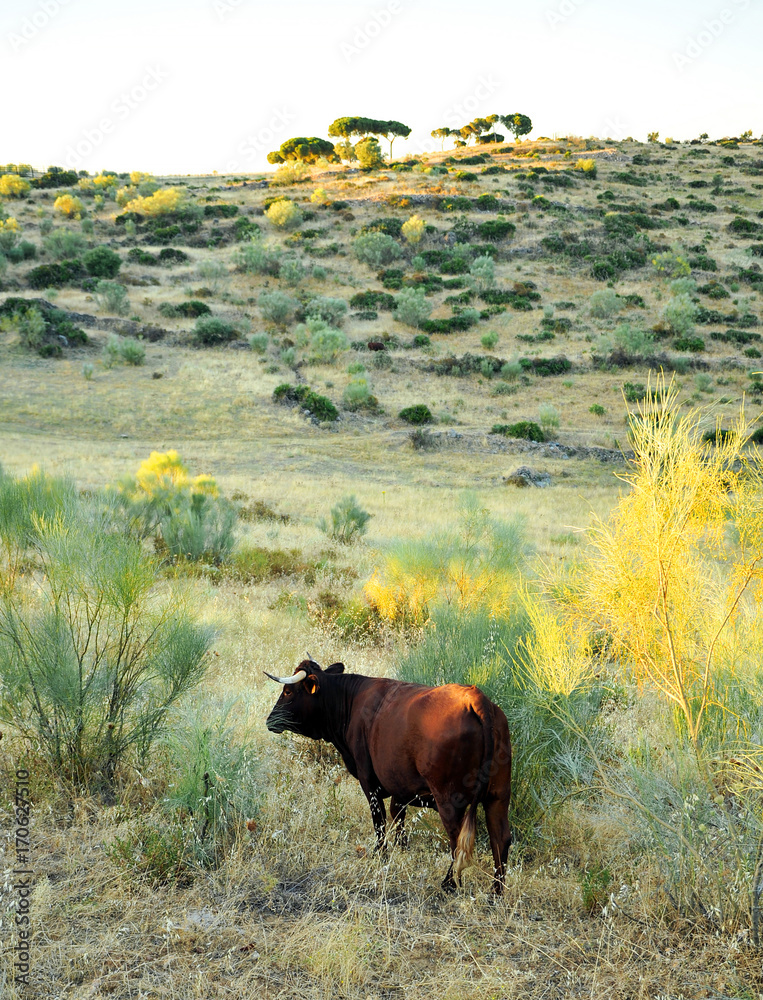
x,y
299,676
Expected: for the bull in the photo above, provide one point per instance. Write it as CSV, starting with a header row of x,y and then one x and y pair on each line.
x,y
445,748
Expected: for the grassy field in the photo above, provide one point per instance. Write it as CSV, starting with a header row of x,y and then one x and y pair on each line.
x,y
298,906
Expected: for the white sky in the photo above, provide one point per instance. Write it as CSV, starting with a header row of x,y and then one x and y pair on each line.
x,y
191,86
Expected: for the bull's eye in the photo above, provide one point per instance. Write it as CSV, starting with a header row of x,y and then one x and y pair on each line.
x,y
287,692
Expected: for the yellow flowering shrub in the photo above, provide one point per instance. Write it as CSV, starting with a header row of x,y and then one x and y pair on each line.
x,y
68,205
413,229
162,202
13,186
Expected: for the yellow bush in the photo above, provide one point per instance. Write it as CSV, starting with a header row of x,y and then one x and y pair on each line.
x,y
12,186
138,177
105,180
126,195
85,183
320,197
404,601
588,166
284,213
164,471
68,205
162,202
413,229
9,225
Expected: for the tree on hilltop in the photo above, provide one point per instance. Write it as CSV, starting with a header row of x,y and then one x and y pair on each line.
x,y
304,150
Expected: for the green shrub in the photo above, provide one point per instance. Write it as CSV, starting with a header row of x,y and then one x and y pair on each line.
x,y
348,521
277,307
597,409
55,275
63,244
132,351
483,272
102,262
255,258
680,313
332,311
496,230
548,416
525,429
211,330
631,340
417,414
292,271
377,249
604,303
412,308
30,326
112,297
259,342
88,706
319,407
489,340
373,300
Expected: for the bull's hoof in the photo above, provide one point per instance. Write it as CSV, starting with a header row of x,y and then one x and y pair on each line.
x,y
449,885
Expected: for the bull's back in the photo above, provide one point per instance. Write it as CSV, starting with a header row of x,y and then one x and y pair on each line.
x,y
424,739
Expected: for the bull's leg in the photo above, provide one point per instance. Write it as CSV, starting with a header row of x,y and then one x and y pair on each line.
x,y
499,831
397,815
378,815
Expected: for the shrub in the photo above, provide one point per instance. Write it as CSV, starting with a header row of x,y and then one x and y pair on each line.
x,y
63,244
483,272
631,340
489,340
87,706
588,168
693,344
29,324
112,297
277,307
357,396
292,271
162,202
284,214
13,186
330,310
326,342
413,229
211,330
604,303
348,521
376,249
417,414
526,429
186,516
317,406
548,416
496,229
255,258
69,206
372,300
369,154
745,228
680,313
412,307
672,264
213,273
259,342
132,351
102,262
597,409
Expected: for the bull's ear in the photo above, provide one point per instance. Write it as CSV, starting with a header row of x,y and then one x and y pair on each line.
x,y
311,684
335,668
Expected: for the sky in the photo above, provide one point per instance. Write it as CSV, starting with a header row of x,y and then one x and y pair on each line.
x,y
196,86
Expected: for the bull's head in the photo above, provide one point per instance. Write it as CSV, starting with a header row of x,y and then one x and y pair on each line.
x,y
299,707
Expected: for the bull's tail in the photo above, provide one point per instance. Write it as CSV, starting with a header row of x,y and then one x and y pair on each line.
x,y
467,836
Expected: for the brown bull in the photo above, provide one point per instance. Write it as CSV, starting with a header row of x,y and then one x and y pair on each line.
x,y
446,748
